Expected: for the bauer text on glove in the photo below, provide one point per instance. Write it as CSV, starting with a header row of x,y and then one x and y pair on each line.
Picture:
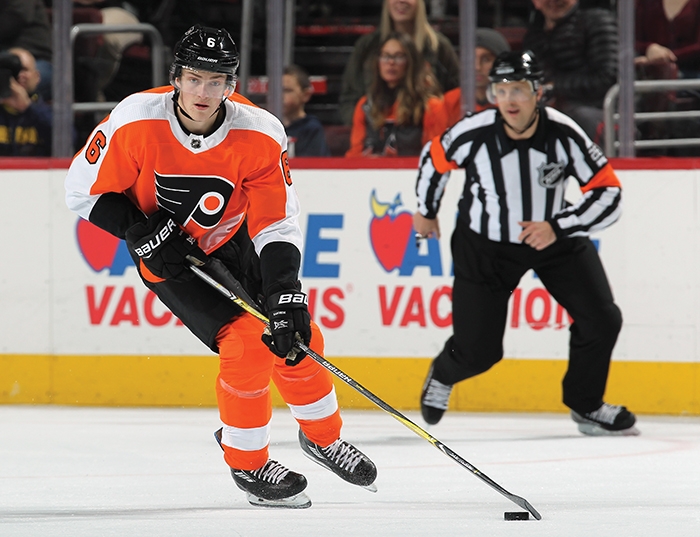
x,y
289,316
162,247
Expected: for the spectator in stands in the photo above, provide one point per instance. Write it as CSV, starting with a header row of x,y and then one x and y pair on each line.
x,y
406,16
667,39
668,32
25,119
579,49
402,111
25,24
304,132
108,56
489,44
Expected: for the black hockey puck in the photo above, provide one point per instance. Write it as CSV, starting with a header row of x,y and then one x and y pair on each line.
x,y
516,515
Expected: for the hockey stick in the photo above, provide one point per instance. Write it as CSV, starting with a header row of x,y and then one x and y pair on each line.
x,y
247,305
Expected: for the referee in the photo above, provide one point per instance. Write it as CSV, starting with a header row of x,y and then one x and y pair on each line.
x,y
513,217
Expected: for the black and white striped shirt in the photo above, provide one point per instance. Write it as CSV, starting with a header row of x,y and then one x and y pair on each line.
x,y
510,181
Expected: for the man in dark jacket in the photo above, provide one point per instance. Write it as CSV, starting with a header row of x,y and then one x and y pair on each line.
x,y
25,24
578,48
25,119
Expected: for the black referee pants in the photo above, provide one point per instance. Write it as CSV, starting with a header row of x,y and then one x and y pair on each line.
x,y
487,272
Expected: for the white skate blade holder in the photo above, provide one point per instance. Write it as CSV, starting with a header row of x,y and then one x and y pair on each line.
x,y
298,501
593,429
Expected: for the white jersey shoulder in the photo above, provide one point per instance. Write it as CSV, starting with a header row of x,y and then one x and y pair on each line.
x,y
145,106
250,117
142,106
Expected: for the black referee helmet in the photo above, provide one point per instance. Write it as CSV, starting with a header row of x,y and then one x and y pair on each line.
x,y
512,66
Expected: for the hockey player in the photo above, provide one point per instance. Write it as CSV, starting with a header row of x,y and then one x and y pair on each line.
x,y
513,217
195,171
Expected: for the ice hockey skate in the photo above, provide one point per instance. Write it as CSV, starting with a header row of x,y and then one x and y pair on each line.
x,y
608,420
272,485
344,460
434,399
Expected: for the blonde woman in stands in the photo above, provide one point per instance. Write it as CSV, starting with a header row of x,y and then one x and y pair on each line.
x,y
409,17
402,109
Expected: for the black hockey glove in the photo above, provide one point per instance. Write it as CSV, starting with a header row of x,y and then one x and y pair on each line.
x,y
289,321
162,247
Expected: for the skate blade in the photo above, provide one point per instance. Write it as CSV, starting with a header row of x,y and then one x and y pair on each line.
x,y
591,429
371,487
298,501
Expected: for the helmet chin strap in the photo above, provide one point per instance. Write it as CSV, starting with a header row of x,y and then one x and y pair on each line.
x,y
176,99
534,117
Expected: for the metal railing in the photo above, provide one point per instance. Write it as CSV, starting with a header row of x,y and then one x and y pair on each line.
x,y
157,60
611,118
65,99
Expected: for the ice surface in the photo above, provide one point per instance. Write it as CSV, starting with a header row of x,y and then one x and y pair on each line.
x,y
75,471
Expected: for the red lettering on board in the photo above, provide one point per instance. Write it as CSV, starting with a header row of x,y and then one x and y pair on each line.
x,y
389,312
543,296
330,313
151,317
412,310
515,316
536,306
440,292
415,310
330,302
537,310
97,312
126,310
311,294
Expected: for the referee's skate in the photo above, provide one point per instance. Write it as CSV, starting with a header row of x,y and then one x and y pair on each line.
x,y
608,420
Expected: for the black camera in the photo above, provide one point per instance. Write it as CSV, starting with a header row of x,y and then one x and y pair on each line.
x,y
10,66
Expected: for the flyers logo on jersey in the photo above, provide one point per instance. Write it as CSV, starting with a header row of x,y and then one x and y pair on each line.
x,y
200,199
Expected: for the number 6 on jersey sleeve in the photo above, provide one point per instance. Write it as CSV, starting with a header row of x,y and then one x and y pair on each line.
x,y
285,169
95,147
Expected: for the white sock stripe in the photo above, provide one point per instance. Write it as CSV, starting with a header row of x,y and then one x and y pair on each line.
x,y
252,439
324,407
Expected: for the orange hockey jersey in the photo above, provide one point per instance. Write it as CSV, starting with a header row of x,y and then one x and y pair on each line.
x,y
209,183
